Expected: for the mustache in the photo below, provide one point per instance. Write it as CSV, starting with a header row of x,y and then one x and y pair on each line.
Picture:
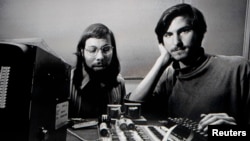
x,y
177,48
99,63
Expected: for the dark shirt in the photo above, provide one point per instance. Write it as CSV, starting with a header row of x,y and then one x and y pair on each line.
x,y
91,99
220,84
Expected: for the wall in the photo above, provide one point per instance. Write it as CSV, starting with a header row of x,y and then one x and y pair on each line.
x,y
61,22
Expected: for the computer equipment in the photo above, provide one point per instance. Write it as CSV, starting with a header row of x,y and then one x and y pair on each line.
x,y
172,129
34,90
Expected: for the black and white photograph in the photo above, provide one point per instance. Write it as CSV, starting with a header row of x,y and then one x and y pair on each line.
x,y
124,70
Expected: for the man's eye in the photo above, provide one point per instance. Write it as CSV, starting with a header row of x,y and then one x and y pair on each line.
x,y
91,49
105,49
167,34
186,30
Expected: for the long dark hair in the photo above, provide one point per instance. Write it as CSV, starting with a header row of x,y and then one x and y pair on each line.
x,y
109,75
198,21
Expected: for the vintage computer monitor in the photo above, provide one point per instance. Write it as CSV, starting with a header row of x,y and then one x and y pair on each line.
x,y
34,90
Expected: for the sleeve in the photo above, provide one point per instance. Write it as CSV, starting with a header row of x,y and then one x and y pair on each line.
x,y
119,91
71,96
165,83
163,86
245,95
155,106
73,99
122,87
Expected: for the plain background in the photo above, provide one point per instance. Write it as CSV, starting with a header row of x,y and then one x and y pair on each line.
x,y
60,24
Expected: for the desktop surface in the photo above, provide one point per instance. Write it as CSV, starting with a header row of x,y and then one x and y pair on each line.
x,y
89,134
172,129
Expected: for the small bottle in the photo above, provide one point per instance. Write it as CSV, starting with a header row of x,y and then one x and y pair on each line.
x,y
104,131
122,124
130,124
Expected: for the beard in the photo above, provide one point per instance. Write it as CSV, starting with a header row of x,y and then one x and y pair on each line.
x,y
104,76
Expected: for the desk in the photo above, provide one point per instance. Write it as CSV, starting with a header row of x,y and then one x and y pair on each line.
x,y
89,134
92,133
174,129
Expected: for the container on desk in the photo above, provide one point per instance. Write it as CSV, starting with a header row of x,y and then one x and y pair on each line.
x,y
132,110
114,111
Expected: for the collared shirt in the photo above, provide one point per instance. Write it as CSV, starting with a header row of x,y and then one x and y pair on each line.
x,y
91,99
